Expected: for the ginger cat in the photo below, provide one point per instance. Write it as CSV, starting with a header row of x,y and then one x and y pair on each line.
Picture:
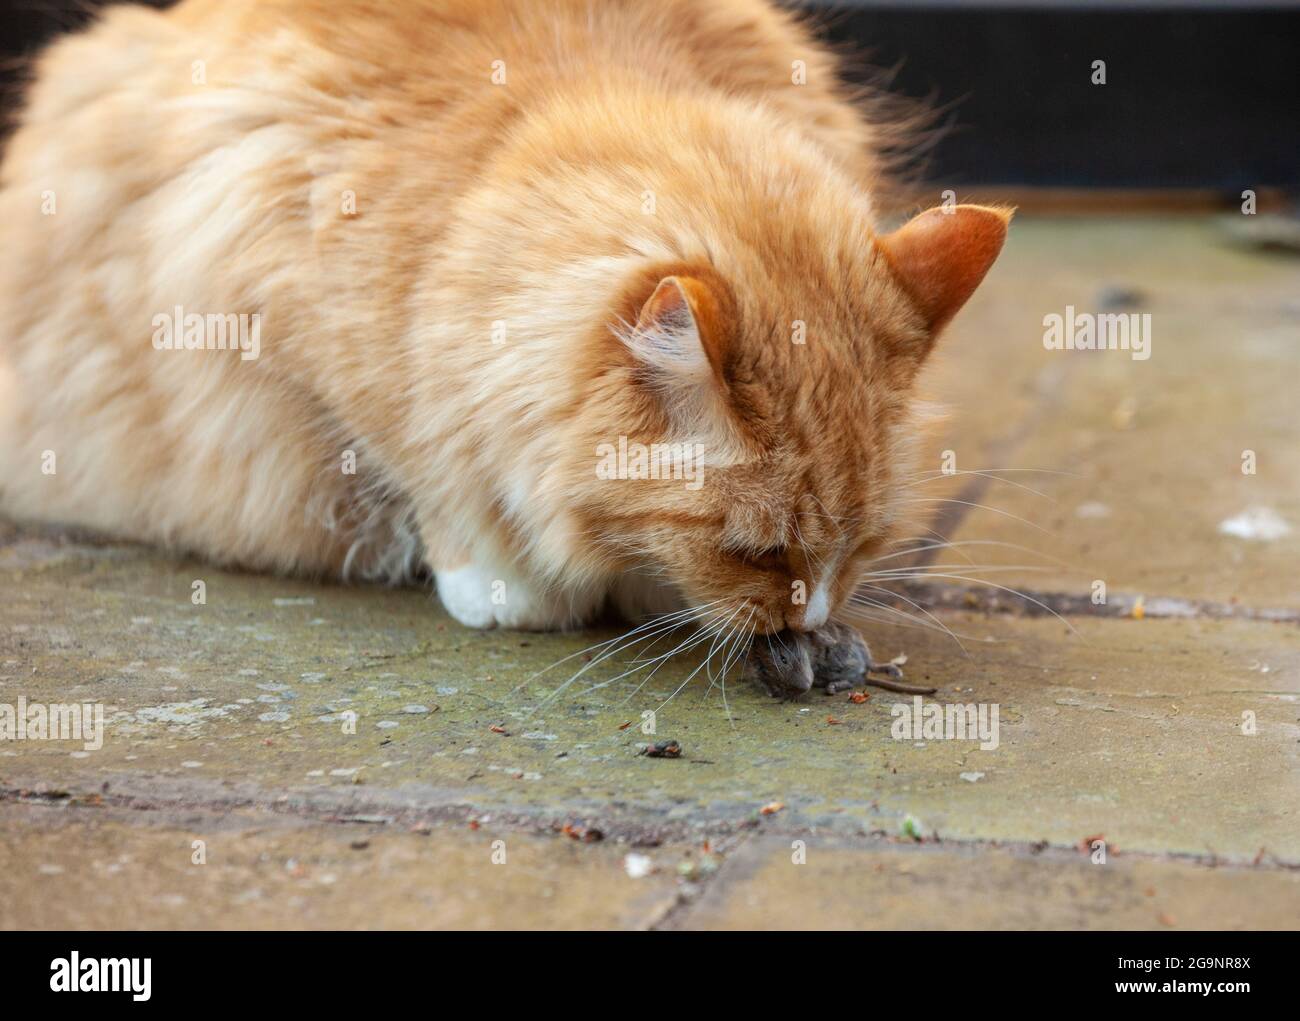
x,y
355,289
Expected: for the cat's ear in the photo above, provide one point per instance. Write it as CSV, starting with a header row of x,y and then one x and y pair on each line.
x,y
680,339
681,332
940,256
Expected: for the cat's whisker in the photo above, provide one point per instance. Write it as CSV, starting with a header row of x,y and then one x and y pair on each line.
x,y
640,657
706,633
831,517
657,626
1011,591
700,635
921,570
992,478
947,630
835,519
900,618
1040,471
939,537
816,564
777,636
741,649
707,659
859,612
640,663
968,542
682,647
730,647
724,638
599,645
980,506
866,610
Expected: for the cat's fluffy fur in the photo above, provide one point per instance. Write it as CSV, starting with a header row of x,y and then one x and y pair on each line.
x,y
615,237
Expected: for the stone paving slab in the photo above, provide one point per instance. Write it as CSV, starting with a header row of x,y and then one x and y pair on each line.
x,y
80,867
1132,729
954,887
71,865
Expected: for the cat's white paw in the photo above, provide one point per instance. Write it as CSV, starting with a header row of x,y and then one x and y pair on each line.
x,y
482,598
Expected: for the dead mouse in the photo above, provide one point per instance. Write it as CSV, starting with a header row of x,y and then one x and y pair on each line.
x,y
781,664
834,657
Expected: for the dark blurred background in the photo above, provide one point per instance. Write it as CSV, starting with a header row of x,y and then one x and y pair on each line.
x,y
1198,95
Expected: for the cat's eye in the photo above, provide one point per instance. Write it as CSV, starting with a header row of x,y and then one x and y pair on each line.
x,y
769,555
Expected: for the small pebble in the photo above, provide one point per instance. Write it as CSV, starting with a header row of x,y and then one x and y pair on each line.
x,y
662,750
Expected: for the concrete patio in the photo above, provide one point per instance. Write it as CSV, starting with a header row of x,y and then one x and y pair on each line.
x,y
349,757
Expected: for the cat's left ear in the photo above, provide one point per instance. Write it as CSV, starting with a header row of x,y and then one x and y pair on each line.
x,y
940,256
681,329
685,318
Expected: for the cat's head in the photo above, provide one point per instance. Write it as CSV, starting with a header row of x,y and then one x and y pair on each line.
x,y
751,438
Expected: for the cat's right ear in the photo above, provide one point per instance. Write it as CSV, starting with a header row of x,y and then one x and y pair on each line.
x,y
940,257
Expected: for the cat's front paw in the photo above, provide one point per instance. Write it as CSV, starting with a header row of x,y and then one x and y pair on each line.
x,y
483,598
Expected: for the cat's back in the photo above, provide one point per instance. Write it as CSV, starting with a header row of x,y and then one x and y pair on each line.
x,y
433,87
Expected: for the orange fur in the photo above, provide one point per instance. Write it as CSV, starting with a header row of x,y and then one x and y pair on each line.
x,y
478,326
